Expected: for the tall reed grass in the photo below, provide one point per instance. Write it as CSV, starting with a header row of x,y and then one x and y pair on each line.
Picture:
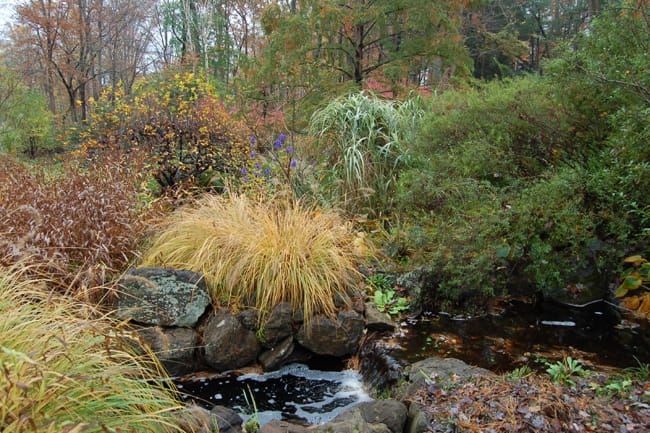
x,y
62,370
261,252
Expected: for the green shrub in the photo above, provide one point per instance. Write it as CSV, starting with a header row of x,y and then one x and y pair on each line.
x,y
63,370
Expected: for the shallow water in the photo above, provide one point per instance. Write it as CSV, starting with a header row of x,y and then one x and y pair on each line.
x,y
295,393
524,333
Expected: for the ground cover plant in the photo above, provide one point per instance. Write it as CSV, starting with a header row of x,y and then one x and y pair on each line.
x,y
77,224
261,252
66,370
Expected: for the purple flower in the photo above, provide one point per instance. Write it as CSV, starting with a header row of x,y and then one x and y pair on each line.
x,y
277,145
282,138
267,171
289,149
293,163
253,140
244,171
253,154
258,165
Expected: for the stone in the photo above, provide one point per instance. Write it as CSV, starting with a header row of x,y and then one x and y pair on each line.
x,y
325,336
276,357
228,344
443,371
342,300
419,284
376,320
418,421
277,426
352,421
226,420
164,297
249,318
174,347
392,413
194,419
278,326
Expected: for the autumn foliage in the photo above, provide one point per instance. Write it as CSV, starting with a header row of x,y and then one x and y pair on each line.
x,y
74,227
179,121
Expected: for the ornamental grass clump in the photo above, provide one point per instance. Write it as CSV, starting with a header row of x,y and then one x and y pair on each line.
x,y
65,371
260,252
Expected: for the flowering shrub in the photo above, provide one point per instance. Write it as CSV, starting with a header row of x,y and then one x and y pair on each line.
x,y
177,119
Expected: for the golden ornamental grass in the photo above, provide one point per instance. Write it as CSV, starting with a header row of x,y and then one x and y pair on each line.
x,y
260,252
63,371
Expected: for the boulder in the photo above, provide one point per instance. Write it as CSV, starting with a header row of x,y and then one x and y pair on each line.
x,y
226,420
418,421
276,357
164,297
278,326
249,318
277,426
325,336
419,284
228,344
392,413
195,419
442,371
174,347
352,421
376,320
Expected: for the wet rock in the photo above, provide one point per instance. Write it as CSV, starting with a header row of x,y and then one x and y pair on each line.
x,y
228,344
377,366
276,357
417,420
277,426
352,421
376,320
419,284
249,318
278,326
226,420
174,347
392,413
163,297
325,336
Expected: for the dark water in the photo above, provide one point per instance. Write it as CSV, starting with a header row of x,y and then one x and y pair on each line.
x,y
526,332
296,393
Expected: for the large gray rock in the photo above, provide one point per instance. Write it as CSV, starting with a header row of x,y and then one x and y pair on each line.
x,y
276,426
392,413
228,344
174,347
163,297
325,336
276,357
352,421
226,420
442,371
278,326
376,320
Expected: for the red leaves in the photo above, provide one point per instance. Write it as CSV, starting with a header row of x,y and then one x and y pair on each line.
x,y
75,226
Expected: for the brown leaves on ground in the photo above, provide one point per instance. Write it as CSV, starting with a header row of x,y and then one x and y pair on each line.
x,y
532,404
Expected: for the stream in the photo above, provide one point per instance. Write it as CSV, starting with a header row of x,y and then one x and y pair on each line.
x,y
524,334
